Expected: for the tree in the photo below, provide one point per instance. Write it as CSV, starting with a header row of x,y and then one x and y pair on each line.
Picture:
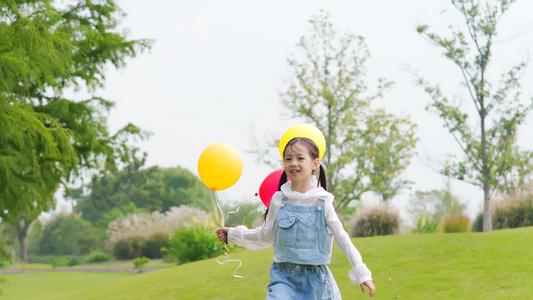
x,y
436,204
35,234
182,187
70,235
130,187
46,139
492,160
133,189
366,148
118,212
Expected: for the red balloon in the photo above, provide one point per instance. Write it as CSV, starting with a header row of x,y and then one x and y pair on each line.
x,y
270,186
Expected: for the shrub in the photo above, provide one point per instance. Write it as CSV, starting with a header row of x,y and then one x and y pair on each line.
x,y
426,224
457,223
194,243
128,247
169,258
60,262
145,234
5,256
155,242
96,257
139,262
510,211
73,261
477,226
381,219
514,211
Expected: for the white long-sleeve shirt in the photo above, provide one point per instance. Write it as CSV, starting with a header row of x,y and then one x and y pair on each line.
x,y
262,237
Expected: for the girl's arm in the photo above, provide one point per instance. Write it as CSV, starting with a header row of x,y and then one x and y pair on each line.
x,y
222,234
359,272
258,238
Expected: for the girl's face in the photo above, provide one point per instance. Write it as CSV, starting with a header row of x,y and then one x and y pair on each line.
x,y
298,164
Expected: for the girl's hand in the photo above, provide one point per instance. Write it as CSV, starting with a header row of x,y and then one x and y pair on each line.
x,y
222,234
371,287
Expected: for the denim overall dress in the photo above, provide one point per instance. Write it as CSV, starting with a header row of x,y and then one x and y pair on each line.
x,y
304,244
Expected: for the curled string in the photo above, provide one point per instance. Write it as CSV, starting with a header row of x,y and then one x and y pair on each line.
x,y
225,248
225,256
237,207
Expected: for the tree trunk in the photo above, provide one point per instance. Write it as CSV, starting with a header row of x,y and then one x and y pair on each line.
x,y
22,230
487,217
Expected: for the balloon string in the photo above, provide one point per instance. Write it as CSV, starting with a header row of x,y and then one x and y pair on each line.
x,y
225,248
219,208
238,206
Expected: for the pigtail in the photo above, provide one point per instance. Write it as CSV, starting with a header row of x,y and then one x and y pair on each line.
x,y
322,179
282,180
265,215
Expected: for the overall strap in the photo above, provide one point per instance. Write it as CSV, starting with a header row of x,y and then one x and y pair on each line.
x,y
323,198
283,201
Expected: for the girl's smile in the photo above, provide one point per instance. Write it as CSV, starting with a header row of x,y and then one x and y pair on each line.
x,y
299,165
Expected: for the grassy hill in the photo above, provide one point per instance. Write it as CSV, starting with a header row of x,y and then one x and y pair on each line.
x,y
496,265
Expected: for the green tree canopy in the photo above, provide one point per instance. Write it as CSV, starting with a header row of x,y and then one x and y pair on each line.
x,y
70,235
182,187
46,139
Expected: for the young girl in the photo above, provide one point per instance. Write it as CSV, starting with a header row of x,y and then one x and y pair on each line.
x,y
301,224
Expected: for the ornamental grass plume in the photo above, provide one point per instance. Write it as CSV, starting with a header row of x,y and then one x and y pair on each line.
x,y
515,210
381,219
456,223
146,233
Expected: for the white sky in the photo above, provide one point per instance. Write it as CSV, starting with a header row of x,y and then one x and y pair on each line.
x,y
216,67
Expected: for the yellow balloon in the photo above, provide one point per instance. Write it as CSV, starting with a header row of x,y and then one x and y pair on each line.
x,y
303,130
220,166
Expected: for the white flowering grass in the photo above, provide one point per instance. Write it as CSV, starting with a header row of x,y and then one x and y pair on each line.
x,y
381,219
145,225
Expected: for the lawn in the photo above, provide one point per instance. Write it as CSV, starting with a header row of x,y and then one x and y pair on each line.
x,y
52,284
149,265
496,265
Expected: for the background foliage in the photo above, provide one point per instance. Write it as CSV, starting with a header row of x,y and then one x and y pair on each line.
x,y
366,148
492,158
46,139
382,219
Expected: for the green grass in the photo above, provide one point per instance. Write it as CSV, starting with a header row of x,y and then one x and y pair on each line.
x,y
496,265
107,265
52,284
33,267
130,265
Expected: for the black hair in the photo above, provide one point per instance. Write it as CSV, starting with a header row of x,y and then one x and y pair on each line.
x,y
314,153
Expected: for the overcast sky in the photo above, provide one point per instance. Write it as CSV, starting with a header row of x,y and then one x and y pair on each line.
x,y
216,67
